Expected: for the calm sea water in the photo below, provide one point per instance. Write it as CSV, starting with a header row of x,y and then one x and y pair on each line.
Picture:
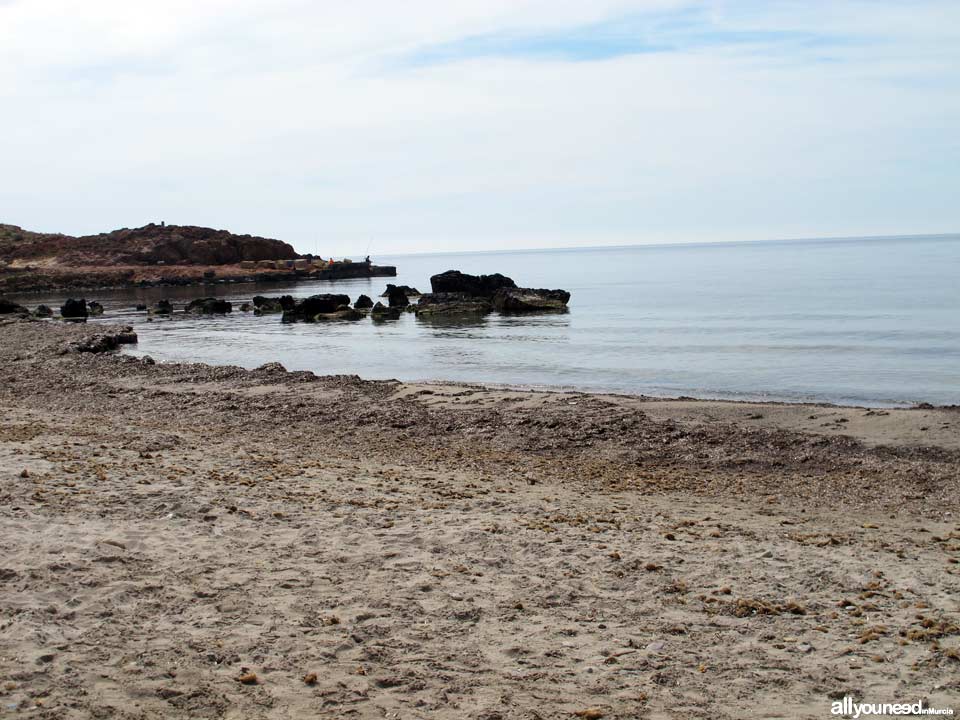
x,y
863,321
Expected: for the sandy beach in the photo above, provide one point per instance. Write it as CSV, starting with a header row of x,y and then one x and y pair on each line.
x,y
194,541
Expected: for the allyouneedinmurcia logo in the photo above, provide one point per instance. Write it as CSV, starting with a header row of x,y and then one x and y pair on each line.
x,y
847,707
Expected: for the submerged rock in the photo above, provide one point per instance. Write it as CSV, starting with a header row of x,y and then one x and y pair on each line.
x,y
454,281
344,312
163,307
74,309
209,306
141,306
265,305
452,304
43,311
396,297
407,290
308,308
363,303
525,300
382,312
94,308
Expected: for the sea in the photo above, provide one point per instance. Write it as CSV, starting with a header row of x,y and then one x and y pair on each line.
x,y
860,321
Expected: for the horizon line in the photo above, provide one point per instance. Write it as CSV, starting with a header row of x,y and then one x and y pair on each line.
x,y
697,243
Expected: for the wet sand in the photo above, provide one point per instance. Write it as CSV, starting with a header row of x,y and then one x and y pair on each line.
x,y
436,550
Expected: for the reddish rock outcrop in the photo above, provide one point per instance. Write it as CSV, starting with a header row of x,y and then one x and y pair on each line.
x,y
148,245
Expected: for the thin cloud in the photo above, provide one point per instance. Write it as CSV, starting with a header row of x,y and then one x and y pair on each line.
x,y
678,31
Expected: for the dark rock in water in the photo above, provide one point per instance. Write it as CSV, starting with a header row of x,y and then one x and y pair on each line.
x,y
264,305
454,281
246,307
8,307
363,303
396,297
407,290
74,309
457,320
209,274
94,308
314,305
42,311
382,312
209,306
163,307
526,300
344,312
141,306
452,303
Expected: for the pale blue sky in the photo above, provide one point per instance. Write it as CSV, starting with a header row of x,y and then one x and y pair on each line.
x,y
487,124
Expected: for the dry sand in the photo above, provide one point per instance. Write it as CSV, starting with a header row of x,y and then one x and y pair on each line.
x,y
438,551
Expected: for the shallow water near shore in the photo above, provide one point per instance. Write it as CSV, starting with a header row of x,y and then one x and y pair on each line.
x,y
862,321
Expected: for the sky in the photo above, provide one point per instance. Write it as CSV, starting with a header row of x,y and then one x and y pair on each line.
x,y
457,125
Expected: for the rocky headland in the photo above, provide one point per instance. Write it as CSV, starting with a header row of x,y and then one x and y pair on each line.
x,y
157,255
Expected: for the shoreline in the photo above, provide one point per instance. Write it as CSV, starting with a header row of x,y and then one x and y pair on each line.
x,y
758,399
912,421
647,395
848,429
441,551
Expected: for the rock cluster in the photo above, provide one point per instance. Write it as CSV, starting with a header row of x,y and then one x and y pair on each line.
x,y
396,297
208,306
74,309
519,300
456,292
321,307
382,312
454,281
452,303
407,290
266,305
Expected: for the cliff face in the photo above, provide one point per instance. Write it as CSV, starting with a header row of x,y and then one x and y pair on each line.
x,y
148,245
